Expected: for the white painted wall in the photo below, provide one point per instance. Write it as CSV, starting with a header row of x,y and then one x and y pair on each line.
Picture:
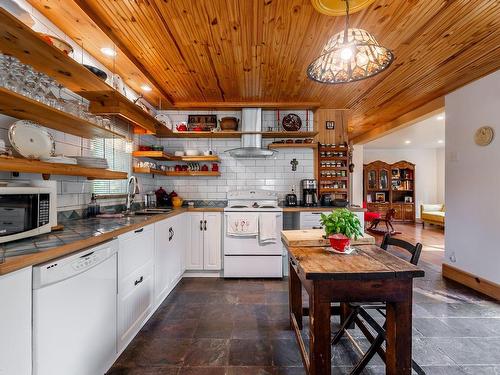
x,y
440,171
357,175
426,170
472,175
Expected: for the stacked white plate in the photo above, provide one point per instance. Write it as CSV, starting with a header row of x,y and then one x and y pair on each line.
x,y
91,162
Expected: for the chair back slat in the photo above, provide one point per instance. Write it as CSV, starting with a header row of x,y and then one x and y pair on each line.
x,y
414,250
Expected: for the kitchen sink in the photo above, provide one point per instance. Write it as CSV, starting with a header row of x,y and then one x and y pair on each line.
x,y
153,211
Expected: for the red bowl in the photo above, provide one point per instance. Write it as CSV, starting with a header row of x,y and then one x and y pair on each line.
x,y
339,242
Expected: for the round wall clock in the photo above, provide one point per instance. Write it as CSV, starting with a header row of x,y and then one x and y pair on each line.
x,y
484,135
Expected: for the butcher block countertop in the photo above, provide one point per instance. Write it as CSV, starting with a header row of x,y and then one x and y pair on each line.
x,y
314,237
76,235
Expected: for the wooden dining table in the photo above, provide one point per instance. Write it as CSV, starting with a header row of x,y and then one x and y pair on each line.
x,y
369,274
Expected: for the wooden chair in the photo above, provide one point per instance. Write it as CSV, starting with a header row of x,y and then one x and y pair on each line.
x,y
389,217
361,310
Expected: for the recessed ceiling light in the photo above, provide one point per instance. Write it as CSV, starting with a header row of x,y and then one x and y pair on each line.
x,y
440,141
108,51
408,142
440,117
146,88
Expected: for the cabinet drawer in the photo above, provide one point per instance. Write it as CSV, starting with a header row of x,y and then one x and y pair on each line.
x,y
135,301
136,249
399,211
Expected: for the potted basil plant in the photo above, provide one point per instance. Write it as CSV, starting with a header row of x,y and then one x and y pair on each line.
x,y
340,227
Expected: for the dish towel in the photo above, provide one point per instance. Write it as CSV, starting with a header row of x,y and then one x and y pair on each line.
x,y
242,224
267,228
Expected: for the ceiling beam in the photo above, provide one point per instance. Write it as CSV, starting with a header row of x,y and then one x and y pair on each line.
x,y
84,6
421,113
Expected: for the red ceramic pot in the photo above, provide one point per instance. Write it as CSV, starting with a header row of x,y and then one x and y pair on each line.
x,y
181,128
339,242
204,168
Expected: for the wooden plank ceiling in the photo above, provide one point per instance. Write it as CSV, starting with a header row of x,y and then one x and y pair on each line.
x,y
258,50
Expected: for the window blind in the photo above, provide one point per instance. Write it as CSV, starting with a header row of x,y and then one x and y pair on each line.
x,y
117,152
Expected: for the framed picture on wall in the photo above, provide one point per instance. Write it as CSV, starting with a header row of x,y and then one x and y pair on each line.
x,y
379,197
330,125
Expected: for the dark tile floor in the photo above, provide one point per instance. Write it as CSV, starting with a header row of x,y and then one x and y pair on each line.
x,y
240,327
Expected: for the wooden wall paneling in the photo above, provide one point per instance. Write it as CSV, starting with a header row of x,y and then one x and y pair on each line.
x,y
339,117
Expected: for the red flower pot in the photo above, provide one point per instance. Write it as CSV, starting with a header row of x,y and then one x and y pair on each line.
x,y
339,242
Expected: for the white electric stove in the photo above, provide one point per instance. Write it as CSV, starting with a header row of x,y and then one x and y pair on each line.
x,y
247,256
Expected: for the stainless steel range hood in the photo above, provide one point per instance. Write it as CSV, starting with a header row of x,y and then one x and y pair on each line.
x,y
251,139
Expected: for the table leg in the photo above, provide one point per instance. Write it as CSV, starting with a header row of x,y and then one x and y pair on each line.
x,y
399,335
320,350
345,310
294,296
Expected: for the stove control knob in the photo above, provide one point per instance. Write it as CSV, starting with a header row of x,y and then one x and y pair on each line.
x,y
255,205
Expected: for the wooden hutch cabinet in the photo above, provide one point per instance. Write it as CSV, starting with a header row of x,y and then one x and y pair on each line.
x,y
390,186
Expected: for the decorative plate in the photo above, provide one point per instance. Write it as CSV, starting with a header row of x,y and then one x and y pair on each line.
x,y
484,135
291,122
165,120
337,7
31,140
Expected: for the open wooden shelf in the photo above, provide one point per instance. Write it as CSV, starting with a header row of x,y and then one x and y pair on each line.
x,y
17,39
181,173
193,173
115,104
47,169
285,134
164,156
292,145
22,107
164,132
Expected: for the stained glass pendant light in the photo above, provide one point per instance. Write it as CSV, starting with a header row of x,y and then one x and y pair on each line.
x,y
349,56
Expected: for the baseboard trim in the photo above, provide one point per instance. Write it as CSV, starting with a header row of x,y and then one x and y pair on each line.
x,y
202,274
472,281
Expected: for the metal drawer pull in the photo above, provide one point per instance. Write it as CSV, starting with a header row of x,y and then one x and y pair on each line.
x,y
201,224
205,225
138,230
141,279
317,227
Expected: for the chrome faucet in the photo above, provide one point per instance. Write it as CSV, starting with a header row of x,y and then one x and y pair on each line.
x,y
131,192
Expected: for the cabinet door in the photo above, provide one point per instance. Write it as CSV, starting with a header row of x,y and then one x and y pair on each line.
x,y
384,179
164,254
399,211
408,212
178,242
372,179
135,302
212,254
194,250
15,323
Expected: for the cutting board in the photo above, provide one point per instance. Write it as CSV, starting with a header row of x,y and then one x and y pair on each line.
x,y
314,237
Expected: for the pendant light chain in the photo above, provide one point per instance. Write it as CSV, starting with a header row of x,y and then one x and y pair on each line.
x,y
346,22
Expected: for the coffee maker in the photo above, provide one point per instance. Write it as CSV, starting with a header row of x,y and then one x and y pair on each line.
x,y
309,189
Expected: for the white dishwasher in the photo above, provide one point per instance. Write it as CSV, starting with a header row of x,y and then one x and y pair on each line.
x,y
74,313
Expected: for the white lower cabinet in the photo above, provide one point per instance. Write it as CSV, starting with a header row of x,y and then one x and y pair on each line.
x,y
15,322
135,282
204,250
170,244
